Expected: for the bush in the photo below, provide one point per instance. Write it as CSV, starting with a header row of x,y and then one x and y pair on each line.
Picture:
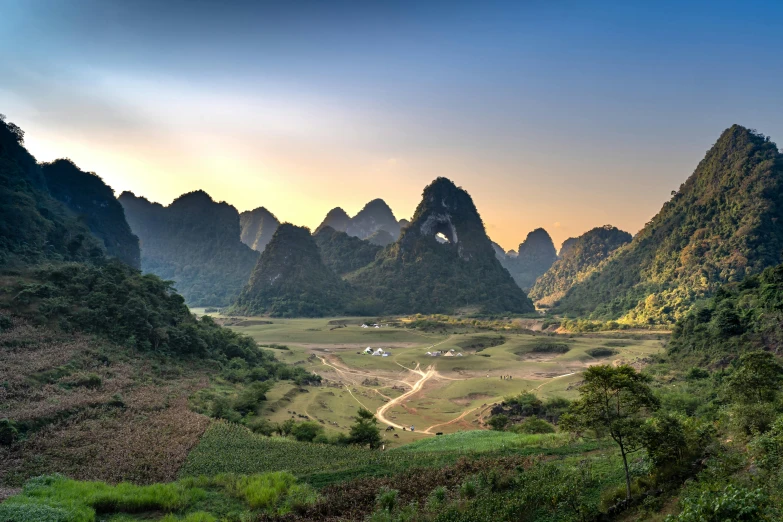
x,y
307,431
533,425
386,499
732,504
9,432
601,352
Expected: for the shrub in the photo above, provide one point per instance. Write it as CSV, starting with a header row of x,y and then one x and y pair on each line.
x,y
307,431
601,352
386,499
9,433
533,425
733,503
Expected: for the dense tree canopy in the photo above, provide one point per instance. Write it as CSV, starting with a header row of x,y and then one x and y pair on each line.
x,y
579,257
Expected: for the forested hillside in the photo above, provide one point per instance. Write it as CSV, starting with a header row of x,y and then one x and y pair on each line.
x,y
291,279
419,274
257,228
194,242
721,225
343,253
579,257
374,216
97,360
34,227
92,201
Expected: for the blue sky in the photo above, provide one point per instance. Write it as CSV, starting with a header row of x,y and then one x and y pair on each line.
x,y
566,115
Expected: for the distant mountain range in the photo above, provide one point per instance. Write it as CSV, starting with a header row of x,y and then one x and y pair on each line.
x,y
534,257
375,220
194,242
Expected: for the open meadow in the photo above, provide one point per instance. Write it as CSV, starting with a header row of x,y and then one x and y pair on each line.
x,y
434,394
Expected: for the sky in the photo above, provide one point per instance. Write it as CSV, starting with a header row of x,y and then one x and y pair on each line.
x,y
564,115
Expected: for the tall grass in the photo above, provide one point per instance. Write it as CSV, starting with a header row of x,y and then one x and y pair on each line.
x,y
56,498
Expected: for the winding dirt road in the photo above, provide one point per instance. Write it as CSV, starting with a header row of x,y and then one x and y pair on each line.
x,y
425,376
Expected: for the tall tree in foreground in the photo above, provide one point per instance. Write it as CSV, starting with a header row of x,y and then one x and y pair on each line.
x,y
365,431
613,401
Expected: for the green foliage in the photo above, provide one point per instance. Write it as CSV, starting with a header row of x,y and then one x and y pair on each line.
x,y
579,258
194,242
756,379
34,227
418,274
735,504
89,198
291,280
307,431
58,499
365,430
719,227
613,400
533,425
674,442
141,311
9,432
343,253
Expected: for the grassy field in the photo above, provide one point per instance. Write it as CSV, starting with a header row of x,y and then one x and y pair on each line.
x,y
458,392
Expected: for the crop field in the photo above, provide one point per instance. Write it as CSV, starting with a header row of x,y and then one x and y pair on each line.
x,y
444,394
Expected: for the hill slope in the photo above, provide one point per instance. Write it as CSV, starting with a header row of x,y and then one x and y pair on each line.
x,y
419,274
195,243
291,280
343,253
722,225
34,227
257,228
87,196
579,258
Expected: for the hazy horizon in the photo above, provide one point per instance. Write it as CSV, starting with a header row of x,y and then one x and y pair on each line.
x,y
564,115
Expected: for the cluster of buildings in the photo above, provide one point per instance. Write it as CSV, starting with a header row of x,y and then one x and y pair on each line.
x,y
379,352
450,353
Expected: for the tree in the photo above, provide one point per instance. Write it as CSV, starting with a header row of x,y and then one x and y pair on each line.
x,y
757,379
307,431
613,400
365,431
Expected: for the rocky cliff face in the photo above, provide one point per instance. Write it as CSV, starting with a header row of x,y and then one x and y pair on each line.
x,y
257,228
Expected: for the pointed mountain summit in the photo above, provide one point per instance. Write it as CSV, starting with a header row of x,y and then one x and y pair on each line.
x,y
376,215
257,228
337,219
580,257
722,225
195,243
534,257
291,280
419,274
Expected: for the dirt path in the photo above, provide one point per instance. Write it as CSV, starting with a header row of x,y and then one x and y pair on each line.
x,y
552,379
425,376
428,431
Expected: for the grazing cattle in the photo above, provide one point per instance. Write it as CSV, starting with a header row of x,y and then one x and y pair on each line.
x,y
439,433
396,435
390,428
